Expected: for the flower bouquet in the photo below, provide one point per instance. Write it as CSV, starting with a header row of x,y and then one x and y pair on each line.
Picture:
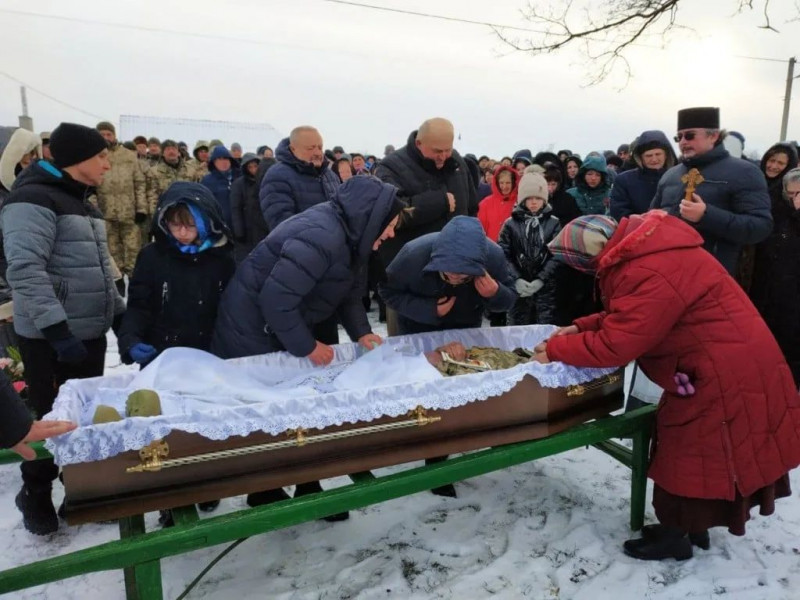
x,y
12,366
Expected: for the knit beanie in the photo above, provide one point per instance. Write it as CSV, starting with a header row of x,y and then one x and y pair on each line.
x,y
581,240
106,126
71,144
532,184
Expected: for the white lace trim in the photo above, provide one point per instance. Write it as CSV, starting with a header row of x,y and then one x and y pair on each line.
x,y
310,401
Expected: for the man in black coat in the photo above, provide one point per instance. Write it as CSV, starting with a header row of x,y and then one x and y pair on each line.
x,y
731,207
433,179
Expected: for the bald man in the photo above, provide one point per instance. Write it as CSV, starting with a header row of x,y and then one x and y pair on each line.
x,y
432,178
299,180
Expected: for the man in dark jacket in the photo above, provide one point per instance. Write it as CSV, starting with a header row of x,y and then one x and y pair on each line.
x,y
307,269
247,220
446,280
223,169
300,180
432,178
731,207
65,299
634,189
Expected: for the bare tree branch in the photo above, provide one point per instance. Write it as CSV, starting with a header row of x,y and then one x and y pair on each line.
x,y
605,31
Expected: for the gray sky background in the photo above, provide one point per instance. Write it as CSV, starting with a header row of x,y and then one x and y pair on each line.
x,y
366,78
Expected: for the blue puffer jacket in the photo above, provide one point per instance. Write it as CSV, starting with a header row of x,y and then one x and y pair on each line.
x,y
414,284
220,182
635,189
592,201
293,185
308,268
738,210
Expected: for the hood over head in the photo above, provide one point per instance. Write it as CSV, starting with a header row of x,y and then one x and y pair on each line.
x,y
197,196
787,149
593,163
515,178
219,152
22,142
364,204
650,140
460,247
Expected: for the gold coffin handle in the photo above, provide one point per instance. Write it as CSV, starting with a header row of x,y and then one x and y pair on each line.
x,y
582,388
154,456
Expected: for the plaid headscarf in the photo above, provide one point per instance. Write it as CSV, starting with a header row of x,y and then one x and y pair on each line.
x,y
581,240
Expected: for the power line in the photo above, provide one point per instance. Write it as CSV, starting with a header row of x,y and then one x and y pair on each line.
x,y
432,16
49,97
340,2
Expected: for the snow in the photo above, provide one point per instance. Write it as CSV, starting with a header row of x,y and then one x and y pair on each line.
x,y
549,529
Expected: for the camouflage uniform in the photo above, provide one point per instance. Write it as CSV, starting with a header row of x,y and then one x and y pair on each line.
x,y
161,176
120,197
200,167
496,358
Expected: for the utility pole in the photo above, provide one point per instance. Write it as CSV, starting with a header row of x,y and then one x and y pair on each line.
x,y
787,99
24,120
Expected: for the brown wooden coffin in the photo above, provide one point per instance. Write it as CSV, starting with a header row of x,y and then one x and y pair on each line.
x,y
105,490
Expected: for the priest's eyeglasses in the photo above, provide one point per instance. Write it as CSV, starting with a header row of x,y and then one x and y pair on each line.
x,y
689,135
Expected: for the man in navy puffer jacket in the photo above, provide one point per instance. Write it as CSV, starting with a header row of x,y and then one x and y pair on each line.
x,y
307,269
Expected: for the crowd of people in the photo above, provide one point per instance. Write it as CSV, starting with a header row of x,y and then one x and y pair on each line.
x,y
689,264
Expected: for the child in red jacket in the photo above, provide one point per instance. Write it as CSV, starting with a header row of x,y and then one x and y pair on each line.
x,y
496,208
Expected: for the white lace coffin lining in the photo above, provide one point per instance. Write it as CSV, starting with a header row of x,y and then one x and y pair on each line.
x,y
274,392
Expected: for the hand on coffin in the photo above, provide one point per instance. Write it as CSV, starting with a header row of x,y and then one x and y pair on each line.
x,y
455,349
434,357
486,285
142,353
370,341
541,357
444,305
540,347
321,355
41,430
570,330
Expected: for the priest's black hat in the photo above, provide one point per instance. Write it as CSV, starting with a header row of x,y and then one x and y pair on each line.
x,y
701,117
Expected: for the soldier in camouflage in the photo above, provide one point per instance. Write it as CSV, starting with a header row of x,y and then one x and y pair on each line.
x,y
169,169
200,162
495,358
153,151
121,198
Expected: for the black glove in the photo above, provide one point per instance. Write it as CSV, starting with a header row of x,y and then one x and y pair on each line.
x,y
139,218
70,350
117,323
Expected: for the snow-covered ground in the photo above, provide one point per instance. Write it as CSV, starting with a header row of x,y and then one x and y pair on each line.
x,y
548,529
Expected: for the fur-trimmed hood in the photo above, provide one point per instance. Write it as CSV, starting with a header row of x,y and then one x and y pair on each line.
x,y
22,142
639,235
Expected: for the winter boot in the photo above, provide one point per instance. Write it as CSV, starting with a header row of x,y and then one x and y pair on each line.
x,y
313,487
671,543
266,497
209,506
38,513
655,531
165,519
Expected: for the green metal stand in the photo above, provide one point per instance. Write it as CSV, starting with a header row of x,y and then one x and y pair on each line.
x,y
138,553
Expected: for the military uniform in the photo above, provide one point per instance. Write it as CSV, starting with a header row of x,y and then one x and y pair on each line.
x,y
496,358
120,197
159,178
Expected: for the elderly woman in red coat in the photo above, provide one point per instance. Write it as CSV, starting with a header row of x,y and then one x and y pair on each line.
x,y
728,425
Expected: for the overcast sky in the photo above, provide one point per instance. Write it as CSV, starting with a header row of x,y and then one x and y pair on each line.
x,y
366,78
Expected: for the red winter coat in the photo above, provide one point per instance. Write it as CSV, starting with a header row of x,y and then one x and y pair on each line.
x,y
495,209
671,305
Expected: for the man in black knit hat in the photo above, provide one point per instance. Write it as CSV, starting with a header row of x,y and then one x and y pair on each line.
x,y
64,295
730,206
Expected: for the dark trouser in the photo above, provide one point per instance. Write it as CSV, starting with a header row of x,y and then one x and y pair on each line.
x,y
44,374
